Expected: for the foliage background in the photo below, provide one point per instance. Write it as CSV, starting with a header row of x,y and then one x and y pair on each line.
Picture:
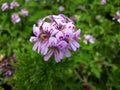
x,y
92,67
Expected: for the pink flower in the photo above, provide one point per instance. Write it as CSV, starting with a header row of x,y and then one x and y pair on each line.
x,y
61,8
14,4
8,73
55,37
4,6
24,12
103,2
88,38
117,16
15,18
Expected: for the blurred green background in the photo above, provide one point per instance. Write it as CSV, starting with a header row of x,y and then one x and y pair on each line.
x,y
91,67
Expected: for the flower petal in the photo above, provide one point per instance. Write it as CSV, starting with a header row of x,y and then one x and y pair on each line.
x,y
52,41
62,44
36,30
77,34
44,47
60,36
70,26
68,34
61,53
48,55
75,43
73,47
67,52
57,57
46,26
35,46
33,39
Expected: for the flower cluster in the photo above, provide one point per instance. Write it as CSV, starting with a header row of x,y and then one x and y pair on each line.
x,y
88,38
117,16
13,4
4,6
6,66
24,12
15,18
55,35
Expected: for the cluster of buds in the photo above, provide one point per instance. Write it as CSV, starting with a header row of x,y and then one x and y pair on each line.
x,y
117,16
55,35
15,18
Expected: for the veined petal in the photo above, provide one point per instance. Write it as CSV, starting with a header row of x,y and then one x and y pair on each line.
x,y
62,44
72,46
33,39
68,34
60,36
35,46
61,53
77,34
53,32
57,57
46,26
48,55
67,53
70,26
36,30
59,19
39,47
52,41
75,43
40,22
44,47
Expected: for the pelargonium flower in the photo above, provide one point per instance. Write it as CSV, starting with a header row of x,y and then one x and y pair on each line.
x,y
4,6
103,2
24,12
61,8
55,35
15,18
88,38
8,73
117,16
14,4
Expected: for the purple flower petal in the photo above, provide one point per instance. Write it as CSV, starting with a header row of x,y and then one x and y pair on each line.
x,y
48,55
4,6
61,54
35,46
60,36
36,30
62,44
68,34
75,43
44,47
77,34
73,47
57,57
46,26
33,39
67,53
53,41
